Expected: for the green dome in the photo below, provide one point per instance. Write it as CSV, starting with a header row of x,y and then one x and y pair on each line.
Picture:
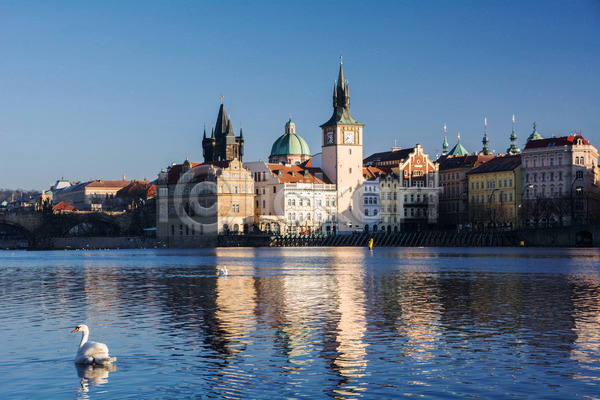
x,y
290,144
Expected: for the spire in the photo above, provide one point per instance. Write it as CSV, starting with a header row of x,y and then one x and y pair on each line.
x,y
212,135
534,135
458,150
204,137
241,133
222,121
513,149
445,144
341,102
486,150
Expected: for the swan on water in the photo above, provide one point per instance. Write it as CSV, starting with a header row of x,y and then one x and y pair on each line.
x,y
224,270
91,352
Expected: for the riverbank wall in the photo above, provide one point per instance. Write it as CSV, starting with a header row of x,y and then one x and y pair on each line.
x,y
572,236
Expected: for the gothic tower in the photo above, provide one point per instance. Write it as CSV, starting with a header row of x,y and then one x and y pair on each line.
x,y
342,156
223,145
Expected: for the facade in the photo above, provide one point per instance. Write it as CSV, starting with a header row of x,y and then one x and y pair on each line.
x,y
454,188
97,195
292,198
495,193
203,199
371,197
560,177
289,148
223,145
342,156
409,193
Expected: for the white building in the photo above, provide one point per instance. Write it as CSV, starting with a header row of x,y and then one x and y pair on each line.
x,y
370,190
565,170
292,198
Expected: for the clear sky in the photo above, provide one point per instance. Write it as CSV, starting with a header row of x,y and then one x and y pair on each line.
x,y
98,89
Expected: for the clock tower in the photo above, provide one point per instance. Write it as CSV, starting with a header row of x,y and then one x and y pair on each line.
x,y
342,156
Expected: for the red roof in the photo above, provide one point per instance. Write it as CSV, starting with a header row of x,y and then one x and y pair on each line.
x,y
62,206
555,141
373,172
298,173
142,189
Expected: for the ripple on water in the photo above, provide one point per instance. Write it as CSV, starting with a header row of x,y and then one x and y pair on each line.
x,y
341,323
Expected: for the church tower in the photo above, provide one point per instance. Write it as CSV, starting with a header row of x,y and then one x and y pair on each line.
x,y
342,156
223,145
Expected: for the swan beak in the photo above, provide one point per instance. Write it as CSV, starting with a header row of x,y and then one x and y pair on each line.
x,y
75,330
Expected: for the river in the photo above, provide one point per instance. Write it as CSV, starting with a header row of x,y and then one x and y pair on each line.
x,y
344,323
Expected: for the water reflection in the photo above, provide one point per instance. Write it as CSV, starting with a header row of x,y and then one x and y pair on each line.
x,y
93,375
342,323
349,354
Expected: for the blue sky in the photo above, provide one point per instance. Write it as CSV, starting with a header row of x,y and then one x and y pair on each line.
x,y
99,89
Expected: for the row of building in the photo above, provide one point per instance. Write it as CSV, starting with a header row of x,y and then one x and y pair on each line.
x,y
551,181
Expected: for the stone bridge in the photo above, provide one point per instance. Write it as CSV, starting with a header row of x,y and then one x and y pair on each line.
x,y
40,227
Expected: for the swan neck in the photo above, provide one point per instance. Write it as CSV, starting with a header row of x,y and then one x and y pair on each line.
x,y
84,337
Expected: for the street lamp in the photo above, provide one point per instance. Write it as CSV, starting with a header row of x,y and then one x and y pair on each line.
x,y
465,193
490,200
529,185
578,177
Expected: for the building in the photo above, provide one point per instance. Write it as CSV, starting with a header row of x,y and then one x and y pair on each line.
x,y
409,193
196,200
223,145
293,198
371,196
289,148
495,193
96,195
454,187
560,177
342,156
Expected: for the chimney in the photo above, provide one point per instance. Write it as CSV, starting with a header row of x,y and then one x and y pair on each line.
x,y
123,177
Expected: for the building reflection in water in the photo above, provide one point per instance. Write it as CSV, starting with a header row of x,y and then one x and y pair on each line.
x,y
350,355
586,316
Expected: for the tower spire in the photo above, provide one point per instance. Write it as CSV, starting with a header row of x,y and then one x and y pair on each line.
x,y
445,144
513,149
486,149
341,102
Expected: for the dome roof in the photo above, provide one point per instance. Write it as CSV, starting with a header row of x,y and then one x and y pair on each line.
x,y
290,144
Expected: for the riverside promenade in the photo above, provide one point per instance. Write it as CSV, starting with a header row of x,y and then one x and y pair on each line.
x,y
571,236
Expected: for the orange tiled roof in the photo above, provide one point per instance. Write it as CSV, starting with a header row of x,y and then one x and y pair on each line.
x,y
298,173
374,172
62,206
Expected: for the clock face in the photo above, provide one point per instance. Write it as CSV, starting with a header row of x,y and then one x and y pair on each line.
x,y
330,137
348,137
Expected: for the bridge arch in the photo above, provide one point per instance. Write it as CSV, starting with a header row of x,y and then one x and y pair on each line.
x,y
96,224
26,234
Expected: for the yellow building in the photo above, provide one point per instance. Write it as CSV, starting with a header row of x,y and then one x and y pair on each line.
x,y
495,193
197,201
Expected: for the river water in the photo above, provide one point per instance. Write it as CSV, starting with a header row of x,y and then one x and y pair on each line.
x,y
303,323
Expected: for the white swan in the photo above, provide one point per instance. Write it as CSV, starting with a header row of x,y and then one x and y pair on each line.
x,y
91,352
224,270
